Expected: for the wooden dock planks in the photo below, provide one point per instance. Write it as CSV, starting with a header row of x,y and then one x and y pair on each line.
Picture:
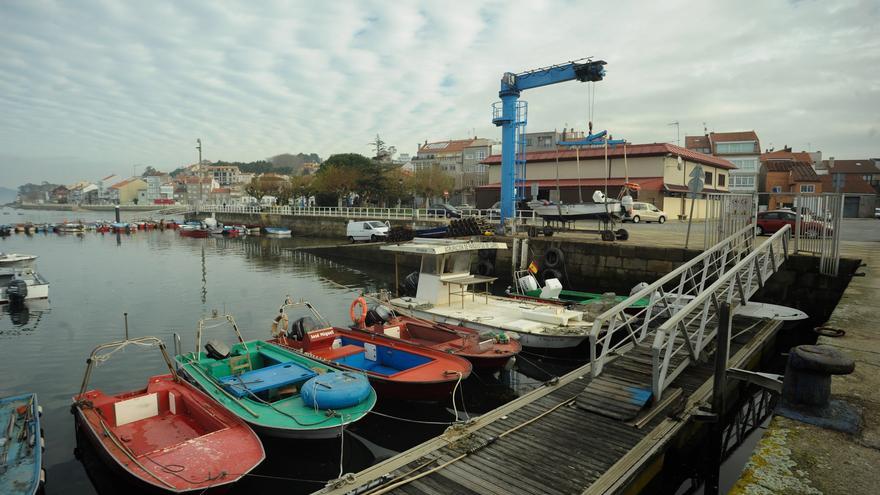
x,y
567,450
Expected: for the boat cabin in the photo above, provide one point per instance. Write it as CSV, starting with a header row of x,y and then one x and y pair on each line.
x,y
445,276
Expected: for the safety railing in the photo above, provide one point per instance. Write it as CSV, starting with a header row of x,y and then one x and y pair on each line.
x,y
374,213
727,213
682,338
622,325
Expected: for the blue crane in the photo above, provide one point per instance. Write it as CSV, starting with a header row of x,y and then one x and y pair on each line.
x,y
512,85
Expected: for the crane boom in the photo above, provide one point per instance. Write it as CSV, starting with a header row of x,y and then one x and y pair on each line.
x,y
512,85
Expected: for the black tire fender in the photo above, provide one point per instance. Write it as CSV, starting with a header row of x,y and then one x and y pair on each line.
x,y
553,258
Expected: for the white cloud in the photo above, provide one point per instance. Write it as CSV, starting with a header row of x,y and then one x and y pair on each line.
x,y
91,86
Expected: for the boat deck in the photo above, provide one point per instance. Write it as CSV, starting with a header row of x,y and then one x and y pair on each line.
x,y
515,315
544,442
158,432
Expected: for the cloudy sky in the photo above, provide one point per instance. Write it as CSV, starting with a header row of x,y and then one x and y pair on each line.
x,y
89,88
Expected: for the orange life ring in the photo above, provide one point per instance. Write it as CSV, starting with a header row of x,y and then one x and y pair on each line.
x,y
363,304
632,185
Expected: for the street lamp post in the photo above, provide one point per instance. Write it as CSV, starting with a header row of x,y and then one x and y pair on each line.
x,y
199,147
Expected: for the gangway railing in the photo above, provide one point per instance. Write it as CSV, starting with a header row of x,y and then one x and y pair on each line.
x,y
682,338
370,213
620,326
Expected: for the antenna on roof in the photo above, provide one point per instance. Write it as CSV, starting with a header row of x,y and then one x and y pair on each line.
x,y
677,131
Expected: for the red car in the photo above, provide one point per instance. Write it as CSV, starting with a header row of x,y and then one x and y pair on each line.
x,y
773,220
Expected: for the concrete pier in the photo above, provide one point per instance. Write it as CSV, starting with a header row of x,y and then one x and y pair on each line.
x,y
795,457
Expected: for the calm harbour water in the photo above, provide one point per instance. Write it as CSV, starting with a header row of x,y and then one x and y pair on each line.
x,y
166,283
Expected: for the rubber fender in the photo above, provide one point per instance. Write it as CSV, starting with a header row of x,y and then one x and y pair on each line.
x,y
553,258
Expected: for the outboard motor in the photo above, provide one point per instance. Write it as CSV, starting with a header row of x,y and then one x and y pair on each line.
x,y
411,284
16,292
379,314
217,350
300,327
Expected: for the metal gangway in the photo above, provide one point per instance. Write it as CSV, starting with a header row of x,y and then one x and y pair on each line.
x,y
635,354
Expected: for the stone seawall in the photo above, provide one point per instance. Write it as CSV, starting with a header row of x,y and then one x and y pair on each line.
x,y
300,225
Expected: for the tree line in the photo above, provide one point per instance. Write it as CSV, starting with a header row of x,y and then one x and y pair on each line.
x,y
350,175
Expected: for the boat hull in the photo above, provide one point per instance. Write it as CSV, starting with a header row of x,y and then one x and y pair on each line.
x,y
433,379
188,429
580,211
526,339
272,422
24,473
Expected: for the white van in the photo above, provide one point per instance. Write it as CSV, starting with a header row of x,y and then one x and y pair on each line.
x,y
370,230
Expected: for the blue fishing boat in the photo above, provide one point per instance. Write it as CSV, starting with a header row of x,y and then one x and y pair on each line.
x,y
21,445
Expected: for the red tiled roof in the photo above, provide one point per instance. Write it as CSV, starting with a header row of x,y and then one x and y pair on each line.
x,y
852,184
646,183
803,172
724,137
123,183
693,142
684,189
865,166
632,151
799,171
801,156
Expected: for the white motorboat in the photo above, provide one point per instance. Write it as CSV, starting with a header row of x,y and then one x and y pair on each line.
x,y
449,293
19,280
601,208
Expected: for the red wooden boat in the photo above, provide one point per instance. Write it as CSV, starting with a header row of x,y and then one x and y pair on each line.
x,y
484,352
397,369
168,436
201,233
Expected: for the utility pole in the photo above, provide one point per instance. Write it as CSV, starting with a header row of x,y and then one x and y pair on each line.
x,y
199,147
677,130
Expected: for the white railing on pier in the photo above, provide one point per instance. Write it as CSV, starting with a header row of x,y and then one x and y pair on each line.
x,y
373,213
620,326
682,338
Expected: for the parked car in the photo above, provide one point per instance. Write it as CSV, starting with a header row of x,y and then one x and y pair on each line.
x,y
445,210
876,212
646,212
494,213
773,220
464,206
371,230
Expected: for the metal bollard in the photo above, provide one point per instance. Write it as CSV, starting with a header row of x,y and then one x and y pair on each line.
x,y
808,375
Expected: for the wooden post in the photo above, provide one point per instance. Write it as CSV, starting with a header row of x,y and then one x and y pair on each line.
x,y
716,429
396,276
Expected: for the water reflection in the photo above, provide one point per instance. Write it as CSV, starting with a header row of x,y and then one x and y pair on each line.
x,y
25,317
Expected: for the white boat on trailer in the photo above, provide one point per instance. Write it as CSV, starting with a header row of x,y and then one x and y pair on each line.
x,y
448,293
609,210
19,280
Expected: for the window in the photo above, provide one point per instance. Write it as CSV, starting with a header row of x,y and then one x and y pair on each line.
x,y
743,181
481,154
744,147
772,216
808,188
746,165
777,189
708,178
721,180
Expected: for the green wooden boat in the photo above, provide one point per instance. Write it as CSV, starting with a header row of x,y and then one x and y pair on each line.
x,y
576,297
279,392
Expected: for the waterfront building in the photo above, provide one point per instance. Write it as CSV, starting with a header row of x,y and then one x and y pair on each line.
x,y
225,175
459,158
741,148
104,192
662,170
779,176
127,191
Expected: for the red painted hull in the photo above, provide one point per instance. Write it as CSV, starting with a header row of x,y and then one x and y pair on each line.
x,y
433,380
451,339
188,429
199,233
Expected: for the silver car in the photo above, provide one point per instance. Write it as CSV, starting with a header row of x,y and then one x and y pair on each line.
x,y
646,212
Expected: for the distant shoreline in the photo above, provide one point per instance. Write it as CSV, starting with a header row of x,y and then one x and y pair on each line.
x,y
66,207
